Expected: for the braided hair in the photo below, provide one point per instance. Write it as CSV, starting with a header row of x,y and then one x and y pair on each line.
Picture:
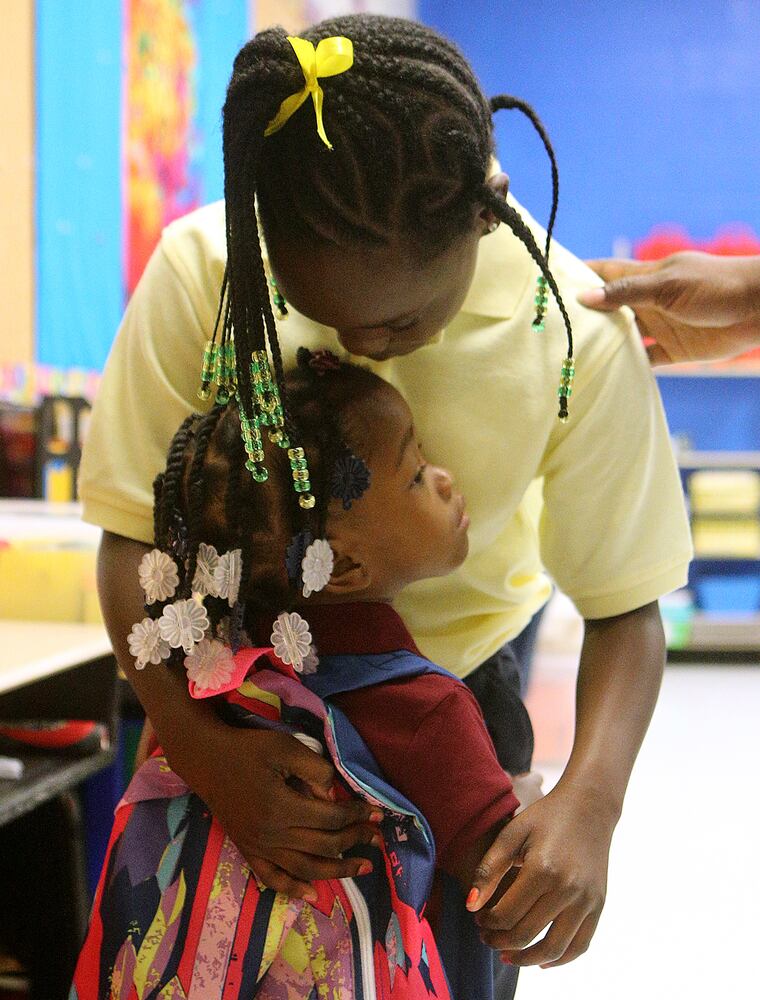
x,y
205,495
413,140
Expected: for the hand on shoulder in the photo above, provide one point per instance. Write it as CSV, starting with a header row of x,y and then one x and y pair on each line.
x,y
691,306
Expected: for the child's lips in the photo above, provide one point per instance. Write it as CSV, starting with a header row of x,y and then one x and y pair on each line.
x,y
462,517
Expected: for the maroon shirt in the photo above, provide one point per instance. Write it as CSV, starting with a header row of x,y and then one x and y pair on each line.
x,y
427,733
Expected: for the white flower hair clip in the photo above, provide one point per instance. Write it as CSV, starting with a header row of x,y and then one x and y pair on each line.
x,y
210,665
218,576
227,575
206,564
158,576
183,624
291,640
317,567
146,644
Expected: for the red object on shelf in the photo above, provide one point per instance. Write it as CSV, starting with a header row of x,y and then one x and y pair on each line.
x,y
67,734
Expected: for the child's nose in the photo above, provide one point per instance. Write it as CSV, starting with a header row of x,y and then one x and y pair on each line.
x,y
444,482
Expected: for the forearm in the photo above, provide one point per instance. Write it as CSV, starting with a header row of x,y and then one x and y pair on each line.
x,y
181,722
749,269
619,680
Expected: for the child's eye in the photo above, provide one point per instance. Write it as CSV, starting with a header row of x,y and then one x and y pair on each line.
x,y
418,479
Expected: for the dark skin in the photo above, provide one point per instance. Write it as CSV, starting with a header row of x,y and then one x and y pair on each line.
x,y
380,307
691,306
561,843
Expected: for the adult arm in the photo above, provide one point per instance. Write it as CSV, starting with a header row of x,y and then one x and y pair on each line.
x,y
560,845
692,306
614,536
288,838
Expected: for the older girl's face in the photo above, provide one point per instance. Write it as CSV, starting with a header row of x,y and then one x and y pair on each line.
x,y
380,304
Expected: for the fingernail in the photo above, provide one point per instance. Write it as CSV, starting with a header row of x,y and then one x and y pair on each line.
x,y
332,794
376,816
365,868
472,898
377,840
311,895
591,297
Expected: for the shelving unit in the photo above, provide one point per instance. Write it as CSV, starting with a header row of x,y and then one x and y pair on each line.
x,y
717,636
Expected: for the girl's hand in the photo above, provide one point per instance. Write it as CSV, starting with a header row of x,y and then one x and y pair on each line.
x,y
692,306
560,846
288,837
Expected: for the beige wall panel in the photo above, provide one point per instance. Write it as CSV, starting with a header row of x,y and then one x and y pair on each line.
x,y
17,180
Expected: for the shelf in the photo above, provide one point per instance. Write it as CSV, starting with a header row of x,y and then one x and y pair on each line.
x,y
46,776
694,460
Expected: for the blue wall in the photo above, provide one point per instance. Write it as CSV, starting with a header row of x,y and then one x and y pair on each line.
x,y
653,108
80,171
79,226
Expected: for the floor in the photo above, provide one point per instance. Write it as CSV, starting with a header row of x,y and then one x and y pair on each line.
x,y
682,919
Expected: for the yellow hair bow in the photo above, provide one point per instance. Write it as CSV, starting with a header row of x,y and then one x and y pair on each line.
x,y
330,57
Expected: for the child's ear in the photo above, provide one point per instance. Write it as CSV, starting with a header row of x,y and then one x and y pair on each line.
x,y
350,575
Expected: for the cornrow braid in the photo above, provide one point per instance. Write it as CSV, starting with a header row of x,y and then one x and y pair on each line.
x,y
509,103
170,482
196,488
211,491
504,211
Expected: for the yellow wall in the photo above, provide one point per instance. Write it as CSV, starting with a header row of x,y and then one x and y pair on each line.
x,y
291,14
17,180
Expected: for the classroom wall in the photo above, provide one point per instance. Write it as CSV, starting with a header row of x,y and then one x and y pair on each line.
x,y
17,179
129,97
652,110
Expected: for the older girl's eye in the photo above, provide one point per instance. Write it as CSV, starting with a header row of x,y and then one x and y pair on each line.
x,y
404,326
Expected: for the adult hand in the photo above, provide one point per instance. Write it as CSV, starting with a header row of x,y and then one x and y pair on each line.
x,y
561,849
274,797
692,306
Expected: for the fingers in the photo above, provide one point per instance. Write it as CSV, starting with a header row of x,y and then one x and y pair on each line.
x,y
273,877
333,845
553,946
579,944
309,868
329,816
612,268
529,887
313,770
502,855
626,283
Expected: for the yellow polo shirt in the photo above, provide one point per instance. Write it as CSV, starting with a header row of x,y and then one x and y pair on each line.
x,y
595,504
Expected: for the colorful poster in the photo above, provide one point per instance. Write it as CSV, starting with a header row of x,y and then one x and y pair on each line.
x,y
295,15
160,142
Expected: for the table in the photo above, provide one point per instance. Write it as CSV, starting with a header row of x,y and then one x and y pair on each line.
x,y
50,670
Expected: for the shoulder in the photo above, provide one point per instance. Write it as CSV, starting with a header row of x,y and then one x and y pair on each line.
x,y
195,248
504,287
413,697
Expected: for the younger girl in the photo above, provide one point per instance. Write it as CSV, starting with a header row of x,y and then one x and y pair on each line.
x,y
177,913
